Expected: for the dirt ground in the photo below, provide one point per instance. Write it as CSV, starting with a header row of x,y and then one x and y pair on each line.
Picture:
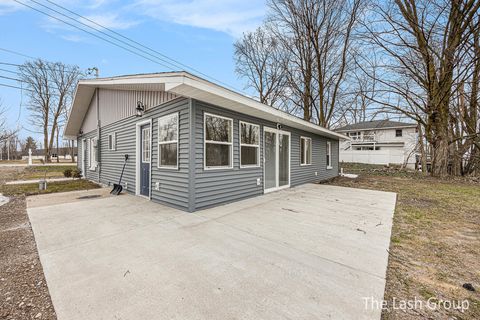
x,y
23,290
435,244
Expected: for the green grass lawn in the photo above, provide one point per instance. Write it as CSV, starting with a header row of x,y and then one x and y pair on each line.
x,y
435,243
61,186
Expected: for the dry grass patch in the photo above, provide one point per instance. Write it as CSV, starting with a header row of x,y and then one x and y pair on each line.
x,y
40,172
60,186
435,244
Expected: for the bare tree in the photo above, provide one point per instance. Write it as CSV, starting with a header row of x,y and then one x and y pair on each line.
x,y
5,132
50,88
429,54
259,59
302,56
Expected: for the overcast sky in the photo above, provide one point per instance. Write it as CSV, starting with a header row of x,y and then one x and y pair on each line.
x,y
198,33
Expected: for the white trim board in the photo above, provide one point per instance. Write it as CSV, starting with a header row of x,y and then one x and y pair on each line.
x,y
190,86
138,157
277,161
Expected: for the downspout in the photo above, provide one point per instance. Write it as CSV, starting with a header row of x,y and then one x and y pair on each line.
x,y
99,166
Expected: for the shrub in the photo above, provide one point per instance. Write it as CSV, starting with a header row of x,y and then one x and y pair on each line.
x,y
67,173
77,173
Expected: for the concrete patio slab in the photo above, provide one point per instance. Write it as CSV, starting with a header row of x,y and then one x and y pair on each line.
x,y
311,252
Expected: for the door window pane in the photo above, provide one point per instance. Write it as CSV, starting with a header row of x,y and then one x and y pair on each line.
x,y
270,160
283,160
146,145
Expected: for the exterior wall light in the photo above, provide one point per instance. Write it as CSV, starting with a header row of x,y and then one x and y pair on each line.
x,y
140,109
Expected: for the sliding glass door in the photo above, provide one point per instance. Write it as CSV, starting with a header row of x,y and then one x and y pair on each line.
x,y
276,159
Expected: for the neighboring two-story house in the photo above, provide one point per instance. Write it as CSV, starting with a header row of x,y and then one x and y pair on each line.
x,y
380,142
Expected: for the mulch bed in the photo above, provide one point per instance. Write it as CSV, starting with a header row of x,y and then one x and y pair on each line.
x,y
23,289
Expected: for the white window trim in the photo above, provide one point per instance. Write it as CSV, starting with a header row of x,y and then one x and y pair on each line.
x,y
205,141
305,150
248,145
329,153
277,167
114,141
176,114
138,125
92,165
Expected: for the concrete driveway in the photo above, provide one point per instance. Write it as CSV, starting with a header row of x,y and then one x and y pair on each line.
x,y
311,252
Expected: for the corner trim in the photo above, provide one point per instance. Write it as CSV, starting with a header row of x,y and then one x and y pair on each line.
x,y
191,154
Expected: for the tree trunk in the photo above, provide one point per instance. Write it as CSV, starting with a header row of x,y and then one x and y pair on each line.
x,y
440,157
58,153
423,151
46,150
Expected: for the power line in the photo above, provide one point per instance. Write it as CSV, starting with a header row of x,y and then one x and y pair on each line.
x,y
14,87
9,71
86,31
163,62
66,70
20,88
13,79
10,64
102,32
135,42
17,53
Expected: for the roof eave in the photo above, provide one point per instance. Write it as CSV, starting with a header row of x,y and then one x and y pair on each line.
x,y
185,84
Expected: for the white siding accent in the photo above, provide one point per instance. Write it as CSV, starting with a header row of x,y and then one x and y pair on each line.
x,y
116,105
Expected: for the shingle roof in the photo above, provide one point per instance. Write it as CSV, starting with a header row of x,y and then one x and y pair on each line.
x,y
375,124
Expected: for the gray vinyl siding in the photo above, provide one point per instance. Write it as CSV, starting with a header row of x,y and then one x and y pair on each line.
x,y
173,183
79,153
219,186
306,173
191,187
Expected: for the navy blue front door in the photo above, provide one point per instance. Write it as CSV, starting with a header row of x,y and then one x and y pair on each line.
x,y
145,154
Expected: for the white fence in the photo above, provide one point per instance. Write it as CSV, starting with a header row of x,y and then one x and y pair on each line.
x,y
387,156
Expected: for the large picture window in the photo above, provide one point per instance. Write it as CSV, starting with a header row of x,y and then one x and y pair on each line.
x,y
249,145
168,141
329,155
218,133
92,155
305,151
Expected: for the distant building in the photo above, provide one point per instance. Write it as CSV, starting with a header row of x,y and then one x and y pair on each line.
x,y
380,142
63,153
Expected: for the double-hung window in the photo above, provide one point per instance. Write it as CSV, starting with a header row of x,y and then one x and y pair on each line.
x,y
329,155
92,155
305,151
112,141
218,135
249,145
168,141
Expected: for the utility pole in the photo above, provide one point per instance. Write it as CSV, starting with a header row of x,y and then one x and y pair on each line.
x,y
94,71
